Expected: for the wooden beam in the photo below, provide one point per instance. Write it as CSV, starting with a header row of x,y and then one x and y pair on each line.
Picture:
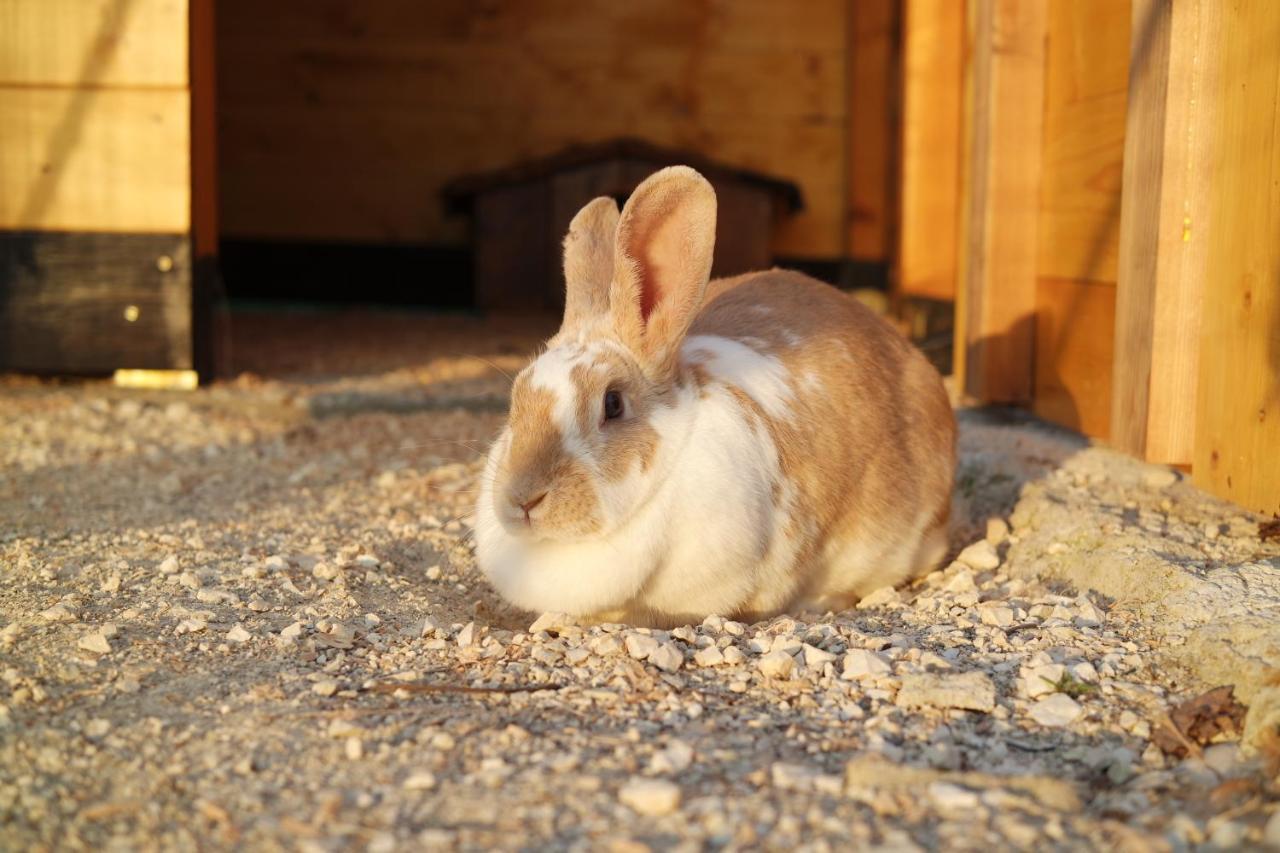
x,y
94,160
139,43
1004,89
929,186
872,128
1237,441
1164,227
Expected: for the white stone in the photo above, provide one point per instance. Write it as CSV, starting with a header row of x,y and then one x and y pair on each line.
x,y
1084,671
423,780
667,657
973,691
550,620
467,635
325,687
953,800
190,626
961,581
97,727
710,656
292,632
981,556
1056,711
58,613
997,530
169,566
650,797
1160,478
354,748
95,642
640,646
1040,680
815,657
777,664
861,663
675,758
1000,617
879,598
734,656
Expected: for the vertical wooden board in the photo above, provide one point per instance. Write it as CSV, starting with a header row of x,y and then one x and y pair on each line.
x,y
1237,442
94,160
873,62
1086,78
1074,321
1168,174
929,187
1004,91
204,130
94,42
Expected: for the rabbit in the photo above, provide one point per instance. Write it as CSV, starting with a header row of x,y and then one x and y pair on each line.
x,y
685,447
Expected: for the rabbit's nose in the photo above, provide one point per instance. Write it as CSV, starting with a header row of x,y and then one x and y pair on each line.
x,y
528,505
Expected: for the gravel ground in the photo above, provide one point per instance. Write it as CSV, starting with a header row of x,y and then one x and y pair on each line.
x,y
249,617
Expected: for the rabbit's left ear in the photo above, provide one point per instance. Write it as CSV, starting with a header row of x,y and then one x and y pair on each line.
x,y
666,239
588,262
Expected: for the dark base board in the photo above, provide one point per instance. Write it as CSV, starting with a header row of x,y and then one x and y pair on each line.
x,y
438,276
92,303
374,274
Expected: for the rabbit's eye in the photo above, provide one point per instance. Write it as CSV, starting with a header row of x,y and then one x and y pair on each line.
x,y
612,405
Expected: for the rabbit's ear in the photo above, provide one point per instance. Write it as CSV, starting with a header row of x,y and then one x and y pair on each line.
x,y
666,238
588,262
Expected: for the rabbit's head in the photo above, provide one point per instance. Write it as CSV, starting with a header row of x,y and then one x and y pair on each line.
x,y
592,417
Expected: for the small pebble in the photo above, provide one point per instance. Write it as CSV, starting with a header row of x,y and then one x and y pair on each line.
x,y
777,664
650,797
1056,711
981,556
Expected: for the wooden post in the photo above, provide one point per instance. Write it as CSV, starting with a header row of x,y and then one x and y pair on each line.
x,y
929,186
1004,89
1237,440
1164,227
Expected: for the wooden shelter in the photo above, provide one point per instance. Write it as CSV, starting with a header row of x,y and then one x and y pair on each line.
x,y
520,214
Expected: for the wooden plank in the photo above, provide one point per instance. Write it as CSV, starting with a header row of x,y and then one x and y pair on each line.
x,y
1237,441
873,104
932,91
1086,77
94,43
204,130
1168,174
342,121
1073,360
1004,90
92,303
94,160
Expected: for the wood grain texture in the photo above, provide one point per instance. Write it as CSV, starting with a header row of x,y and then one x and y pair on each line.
x,y
929,188
122,43
1086,75
94,160
1073,375
92,303
1237,440
1164,230
1004,90
873,61
342,120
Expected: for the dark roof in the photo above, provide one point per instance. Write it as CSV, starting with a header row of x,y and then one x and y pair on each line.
x,y
459,192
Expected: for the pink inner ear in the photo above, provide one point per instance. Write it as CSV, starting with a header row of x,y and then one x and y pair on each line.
x,y
660,262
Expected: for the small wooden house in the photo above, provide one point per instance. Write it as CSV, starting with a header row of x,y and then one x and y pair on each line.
x,y
520,214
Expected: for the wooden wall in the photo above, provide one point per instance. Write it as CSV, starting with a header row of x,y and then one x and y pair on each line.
x,y
95,185
93,100
341,120
1082,163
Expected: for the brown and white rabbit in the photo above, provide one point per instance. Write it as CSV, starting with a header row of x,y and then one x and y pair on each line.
x,y
683,447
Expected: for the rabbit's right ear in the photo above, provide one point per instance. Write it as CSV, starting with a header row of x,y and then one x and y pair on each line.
x,y
588,262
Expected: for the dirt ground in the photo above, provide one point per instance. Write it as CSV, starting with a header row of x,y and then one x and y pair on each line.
x,y
248,617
